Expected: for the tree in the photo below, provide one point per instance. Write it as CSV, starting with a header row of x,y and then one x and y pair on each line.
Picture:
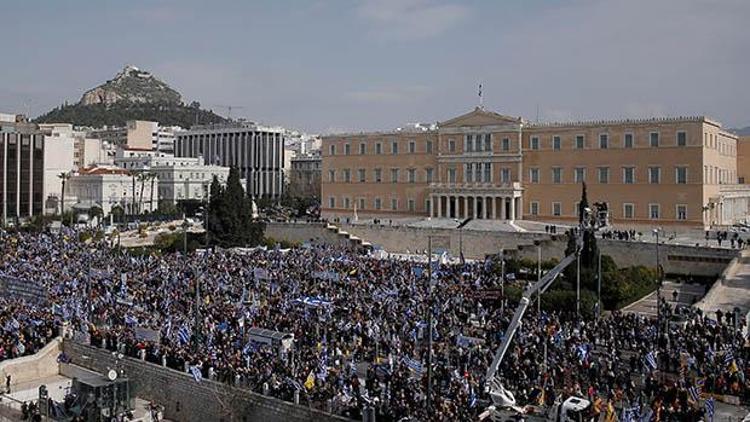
x,y
230,221
64,176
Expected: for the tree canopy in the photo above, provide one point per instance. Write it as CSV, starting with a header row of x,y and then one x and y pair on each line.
x,y
230,221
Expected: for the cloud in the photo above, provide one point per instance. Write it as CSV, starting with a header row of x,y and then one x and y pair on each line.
x,y
411,19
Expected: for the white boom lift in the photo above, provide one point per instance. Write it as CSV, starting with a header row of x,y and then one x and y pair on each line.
x,y
504,406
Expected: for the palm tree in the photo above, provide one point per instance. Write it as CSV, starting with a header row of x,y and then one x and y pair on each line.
x,y
153,178
64,176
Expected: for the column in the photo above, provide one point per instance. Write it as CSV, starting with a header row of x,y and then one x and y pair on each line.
x,y
432,205
455,207
492,207
512,208
439,208
465,202
502,208
476,207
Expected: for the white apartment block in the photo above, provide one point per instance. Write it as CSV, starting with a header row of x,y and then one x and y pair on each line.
x,y
141,134
256,151
108,186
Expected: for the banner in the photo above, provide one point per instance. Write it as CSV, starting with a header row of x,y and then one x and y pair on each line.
x,y
22,289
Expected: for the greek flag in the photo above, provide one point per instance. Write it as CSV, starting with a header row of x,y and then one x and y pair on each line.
x,y
631,414
130,320
21,348
250,347
472,398
710,408
651,360
183,335
728,357
695,393
197,375
417,271
413,364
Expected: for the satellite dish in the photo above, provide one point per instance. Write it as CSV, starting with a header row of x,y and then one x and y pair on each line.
x,y
112,375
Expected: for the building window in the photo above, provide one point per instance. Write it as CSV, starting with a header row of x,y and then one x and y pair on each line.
x,y
654,175
452,175
680,175
534,175
628,175
505,175
580,142
580,175
628,211
428,175
412,175
534,208
378,204
394,204
654,139
428,147
378,148
361,175
331,176
603,141
556,175
378,175
412,147
681,139
347,149
394,175
487,173
469,172
361,203
506,144
346,203
488,142
556,143
681,212
394,147
469,143
332,150
412,206
331,202
556,209
347,175
653,211
362,149
451,145
628,142
603,174
534,142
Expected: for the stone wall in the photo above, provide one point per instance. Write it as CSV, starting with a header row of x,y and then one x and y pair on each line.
x,y
676,259
186,400
304,232
42,364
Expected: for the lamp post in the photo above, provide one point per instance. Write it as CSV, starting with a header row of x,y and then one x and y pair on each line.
x,y
658,288
429,322
599,285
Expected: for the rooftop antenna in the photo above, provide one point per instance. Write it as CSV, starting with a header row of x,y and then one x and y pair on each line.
x,y
229,109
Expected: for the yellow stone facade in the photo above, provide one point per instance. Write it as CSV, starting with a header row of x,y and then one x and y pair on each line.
x,y
679,171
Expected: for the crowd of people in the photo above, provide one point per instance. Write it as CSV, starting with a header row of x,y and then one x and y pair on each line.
x,y
360,330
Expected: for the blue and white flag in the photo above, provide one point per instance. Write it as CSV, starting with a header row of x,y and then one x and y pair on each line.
x,y
413,364
184,335
197,375
710,408
417,271
651,360
472,398
582,351
728,357
695,393
250,347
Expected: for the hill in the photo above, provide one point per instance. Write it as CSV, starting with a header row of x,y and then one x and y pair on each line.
x,y
745,131
133,94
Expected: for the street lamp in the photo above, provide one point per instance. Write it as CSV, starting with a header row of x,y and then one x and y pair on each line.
x,y
656,232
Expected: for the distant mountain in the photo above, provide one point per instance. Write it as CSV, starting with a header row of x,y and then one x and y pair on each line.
x,y
133,94
745,131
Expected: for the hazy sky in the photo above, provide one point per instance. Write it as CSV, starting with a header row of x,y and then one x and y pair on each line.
x,y
325,66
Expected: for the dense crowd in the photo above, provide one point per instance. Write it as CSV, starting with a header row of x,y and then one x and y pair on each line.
x,y
360,330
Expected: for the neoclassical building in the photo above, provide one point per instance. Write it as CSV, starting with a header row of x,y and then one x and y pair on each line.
x,y
482,164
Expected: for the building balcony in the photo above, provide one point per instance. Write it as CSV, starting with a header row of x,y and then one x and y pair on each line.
x,y
506,189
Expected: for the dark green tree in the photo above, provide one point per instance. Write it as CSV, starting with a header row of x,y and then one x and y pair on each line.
x,y
230,221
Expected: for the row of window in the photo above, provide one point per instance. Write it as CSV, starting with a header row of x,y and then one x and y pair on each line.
x,y
603,173
411,148
377,175
628,211
605,142
377,204
711,140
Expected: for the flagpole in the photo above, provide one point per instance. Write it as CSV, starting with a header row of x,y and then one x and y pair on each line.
x,y
429,322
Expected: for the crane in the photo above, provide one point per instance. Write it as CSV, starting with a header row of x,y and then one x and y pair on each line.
x,y
229,109
502,399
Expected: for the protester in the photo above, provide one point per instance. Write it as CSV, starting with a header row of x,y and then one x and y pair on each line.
x,y
360,330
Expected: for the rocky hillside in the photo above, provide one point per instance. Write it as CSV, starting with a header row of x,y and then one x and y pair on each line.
x,y
132,85
133,94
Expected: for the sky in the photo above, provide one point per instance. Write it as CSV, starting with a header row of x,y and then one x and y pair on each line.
x,y
329,66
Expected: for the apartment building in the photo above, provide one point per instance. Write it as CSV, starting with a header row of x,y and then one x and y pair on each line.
x,y
680,171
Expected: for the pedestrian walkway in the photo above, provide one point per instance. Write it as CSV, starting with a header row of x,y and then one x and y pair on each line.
x,y
687,295
732,290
